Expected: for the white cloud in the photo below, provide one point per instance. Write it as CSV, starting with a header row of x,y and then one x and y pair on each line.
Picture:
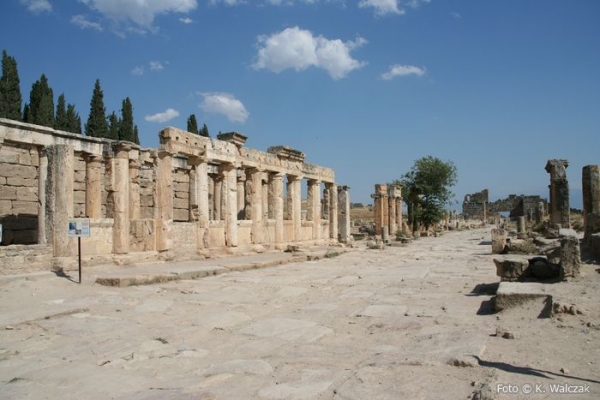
x,y
139,71
37,6
383,7
162,117
82,22
227,2
186,20
295,48
402,70
225,104
156,66
139,12
455,15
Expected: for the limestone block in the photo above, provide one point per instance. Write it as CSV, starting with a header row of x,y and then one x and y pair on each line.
x,y
570,252
79,196
8,193
35,157
510,267
27,194
25,157
182,195
18,171
2,180
181,203
79,186
25,207
8,156
79,176
181,214
21,182
181,178
5,207
146,201
499,237
79,210
141,235
181,187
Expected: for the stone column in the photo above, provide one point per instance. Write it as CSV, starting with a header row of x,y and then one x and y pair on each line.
x,y
392,216
134,190
241,194
42,182
60,197
199,192
121,199
521,227
164,201
590,179
333,211
229,172
217,196
314,207
211,197
326,202
559,193
570,253
276,202
295,205
344,215
256,205
399,212
381,207
93,186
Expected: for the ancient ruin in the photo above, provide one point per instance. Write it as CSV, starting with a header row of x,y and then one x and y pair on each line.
x,y
559,193
591,207
193,196
388,209
477,206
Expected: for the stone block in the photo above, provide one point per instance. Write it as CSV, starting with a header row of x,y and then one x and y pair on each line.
x,y
79,176
18,171
181,203
25,207
79,186
21,182
25,237
512,294
181,177
25,157
79,196
141,235
181,214
570,253
146,201
8,193
511,267
35,157
499,237
181,187
27,194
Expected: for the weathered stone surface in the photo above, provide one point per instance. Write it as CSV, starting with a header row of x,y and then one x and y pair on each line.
x,y
515,294
570,253
511,267
499,239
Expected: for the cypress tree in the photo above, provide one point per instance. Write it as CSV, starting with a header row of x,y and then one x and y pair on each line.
x,y
96,124
41,103
113,126
73,120
204,131
136,136
192,124
61,122
10,89
26,112
126,125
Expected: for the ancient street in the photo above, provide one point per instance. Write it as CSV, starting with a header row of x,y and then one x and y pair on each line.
x,y
411,322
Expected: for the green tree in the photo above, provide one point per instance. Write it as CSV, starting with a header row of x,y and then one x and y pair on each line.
x,y
73,120
60,121
427,189
41,103
136,136
96,124
113,126
204,131
192,124
10,89
126,123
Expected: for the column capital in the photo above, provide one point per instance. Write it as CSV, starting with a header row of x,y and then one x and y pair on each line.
x,y
195,160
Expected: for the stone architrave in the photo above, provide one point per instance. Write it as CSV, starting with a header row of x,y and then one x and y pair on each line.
x,y
121,198
590,179
559,193
60,198
93,186
229,203
164,201
333,211
344,214
42,185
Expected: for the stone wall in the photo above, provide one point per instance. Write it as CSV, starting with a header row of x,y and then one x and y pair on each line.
x,y
475,205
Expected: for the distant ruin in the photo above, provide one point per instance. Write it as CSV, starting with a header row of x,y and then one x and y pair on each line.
x,y
388,209
478,207
193,196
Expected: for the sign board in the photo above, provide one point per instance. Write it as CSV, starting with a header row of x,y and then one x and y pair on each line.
x,y
79,227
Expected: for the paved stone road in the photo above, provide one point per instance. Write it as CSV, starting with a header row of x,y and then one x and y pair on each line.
x,y
399,323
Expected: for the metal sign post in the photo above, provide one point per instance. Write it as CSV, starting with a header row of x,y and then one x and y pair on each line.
x,y
78,228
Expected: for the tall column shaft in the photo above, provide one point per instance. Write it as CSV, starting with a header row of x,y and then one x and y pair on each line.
x,y
333,211
134,190
277,203
42,185
164,201
93,186
344,221
257,206
60,197
314,206
121,200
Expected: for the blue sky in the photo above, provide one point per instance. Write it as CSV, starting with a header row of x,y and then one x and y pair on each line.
x,y
365,87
